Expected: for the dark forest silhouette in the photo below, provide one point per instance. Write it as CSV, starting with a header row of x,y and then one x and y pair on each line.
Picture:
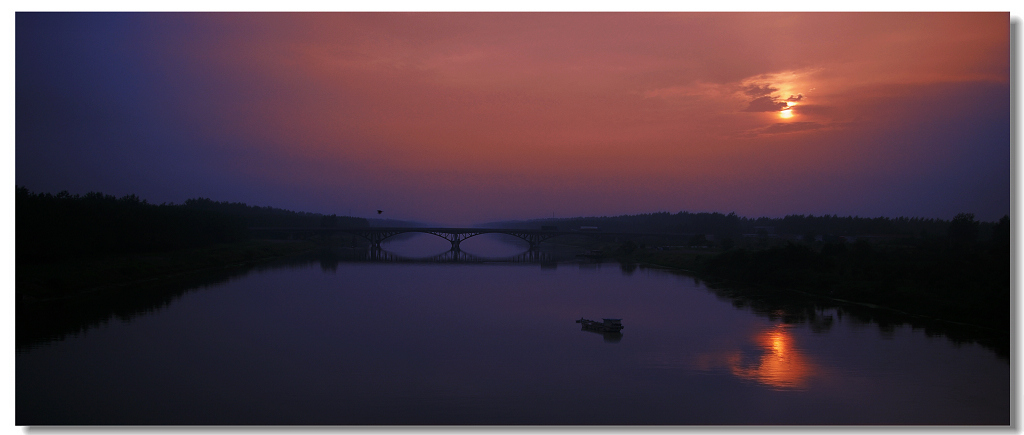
x,y
955,271
64,226
947,274
726,227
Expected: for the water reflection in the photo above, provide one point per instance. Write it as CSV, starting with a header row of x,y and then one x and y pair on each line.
x,y
776,362
40,322
51,321
791,307
609,337
459,344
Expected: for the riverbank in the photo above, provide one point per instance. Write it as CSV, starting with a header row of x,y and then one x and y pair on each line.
x,y
969,287
72,277
963,294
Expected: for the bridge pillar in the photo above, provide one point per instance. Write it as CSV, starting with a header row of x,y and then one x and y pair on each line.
x,y
534,241
454,237
376,237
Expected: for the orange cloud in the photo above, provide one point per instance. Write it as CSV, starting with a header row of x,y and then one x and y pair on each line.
x,y
407,99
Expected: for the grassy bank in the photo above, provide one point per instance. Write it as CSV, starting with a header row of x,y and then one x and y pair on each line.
x,y
69,277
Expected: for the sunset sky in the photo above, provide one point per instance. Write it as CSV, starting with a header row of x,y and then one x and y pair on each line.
x,y
461,118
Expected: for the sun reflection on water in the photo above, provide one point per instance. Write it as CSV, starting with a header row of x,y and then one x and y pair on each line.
x,y
780,365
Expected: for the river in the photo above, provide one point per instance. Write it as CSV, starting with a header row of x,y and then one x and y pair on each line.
x,y
322,340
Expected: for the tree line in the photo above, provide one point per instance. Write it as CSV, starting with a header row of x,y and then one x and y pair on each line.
x,y
946,271
60,226
956,279
732,226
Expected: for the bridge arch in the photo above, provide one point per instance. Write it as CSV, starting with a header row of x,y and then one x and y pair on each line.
x,y
456,256
455,236
376,236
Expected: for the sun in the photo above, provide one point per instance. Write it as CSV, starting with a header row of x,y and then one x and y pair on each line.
x,y
788,111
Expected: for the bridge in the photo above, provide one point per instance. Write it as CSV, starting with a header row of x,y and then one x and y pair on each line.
x,y
458,256
456,236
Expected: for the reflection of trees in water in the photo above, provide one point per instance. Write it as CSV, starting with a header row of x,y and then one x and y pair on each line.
x,y
778,362
609,337
46,321
43,322
790,307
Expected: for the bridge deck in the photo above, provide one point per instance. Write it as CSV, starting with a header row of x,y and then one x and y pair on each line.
x,y
453,230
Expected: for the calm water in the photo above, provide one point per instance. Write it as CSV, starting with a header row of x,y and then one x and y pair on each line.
x,y
326,342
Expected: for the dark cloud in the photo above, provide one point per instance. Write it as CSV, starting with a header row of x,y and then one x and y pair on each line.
x,y
766,103
757,91
813,109
791,127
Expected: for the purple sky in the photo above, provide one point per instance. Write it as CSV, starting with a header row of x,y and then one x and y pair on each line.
x,y
459,118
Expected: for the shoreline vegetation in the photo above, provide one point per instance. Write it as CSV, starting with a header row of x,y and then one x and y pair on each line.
x,y
937,272
938,293
947,277
68,245
79,277
965,284
965,312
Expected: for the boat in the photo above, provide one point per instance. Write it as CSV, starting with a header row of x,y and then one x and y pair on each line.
x,y
606,325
